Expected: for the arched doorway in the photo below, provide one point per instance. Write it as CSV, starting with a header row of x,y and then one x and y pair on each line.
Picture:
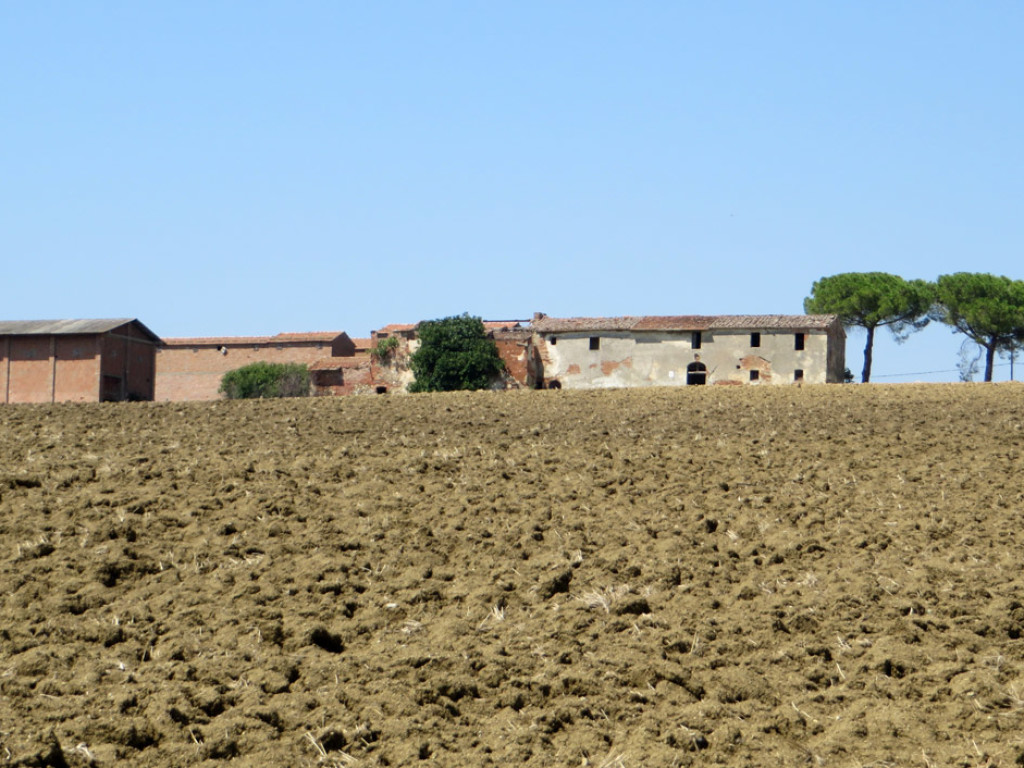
x,y
696,373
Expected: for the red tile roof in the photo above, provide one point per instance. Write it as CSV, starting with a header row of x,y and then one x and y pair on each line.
x,y
781,322
218,341
684,323
322,337
313,336
502,325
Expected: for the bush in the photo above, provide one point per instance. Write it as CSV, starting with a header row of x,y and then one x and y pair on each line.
x,y
385,347
454,353
266,380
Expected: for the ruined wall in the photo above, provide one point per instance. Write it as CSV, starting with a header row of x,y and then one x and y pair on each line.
x,y
393,372
514,350
345,376
661,358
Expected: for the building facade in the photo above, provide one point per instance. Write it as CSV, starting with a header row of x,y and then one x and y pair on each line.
x,y
52,361
586,353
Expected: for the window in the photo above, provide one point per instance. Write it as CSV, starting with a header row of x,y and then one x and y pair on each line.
x,y
755,339
798,374
799,342
553,340
595,342
695,341
755,375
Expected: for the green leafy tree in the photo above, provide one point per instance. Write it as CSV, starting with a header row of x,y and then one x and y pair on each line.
x,y
988,309
872,300
454,354
266,380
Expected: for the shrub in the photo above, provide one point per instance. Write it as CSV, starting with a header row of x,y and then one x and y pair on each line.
x,y
266,380
385,347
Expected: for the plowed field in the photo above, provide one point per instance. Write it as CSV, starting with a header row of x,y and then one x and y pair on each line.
x,y
822,576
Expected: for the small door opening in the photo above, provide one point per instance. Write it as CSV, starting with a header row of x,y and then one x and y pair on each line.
x,y
696,374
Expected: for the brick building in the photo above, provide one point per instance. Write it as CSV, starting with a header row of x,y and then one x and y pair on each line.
x,y
50,361
192,368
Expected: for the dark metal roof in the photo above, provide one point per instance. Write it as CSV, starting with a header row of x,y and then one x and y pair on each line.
x,y
68,327
684,323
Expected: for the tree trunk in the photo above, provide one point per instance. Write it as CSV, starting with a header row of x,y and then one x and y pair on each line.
x,y
865,375
990,358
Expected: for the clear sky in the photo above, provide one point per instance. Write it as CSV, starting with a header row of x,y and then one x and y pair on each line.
x,y
246,167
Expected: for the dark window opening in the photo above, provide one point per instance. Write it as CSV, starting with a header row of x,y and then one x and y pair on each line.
x,y
755,339
695,342
382,390
553,340
798,374
595,342
799,343
755,375
554,384
696,373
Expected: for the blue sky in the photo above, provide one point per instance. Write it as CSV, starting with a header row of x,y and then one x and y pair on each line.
x,y
244,168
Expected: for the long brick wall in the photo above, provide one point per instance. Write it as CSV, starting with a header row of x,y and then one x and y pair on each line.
x,y
191,369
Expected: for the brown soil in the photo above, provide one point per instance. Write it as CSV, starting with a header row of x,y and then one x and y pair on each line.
x,y
702,576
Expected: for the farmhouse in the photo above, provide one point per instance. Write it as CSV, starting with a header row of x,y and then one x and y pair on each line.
x,y
584,353
192,368
50,361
